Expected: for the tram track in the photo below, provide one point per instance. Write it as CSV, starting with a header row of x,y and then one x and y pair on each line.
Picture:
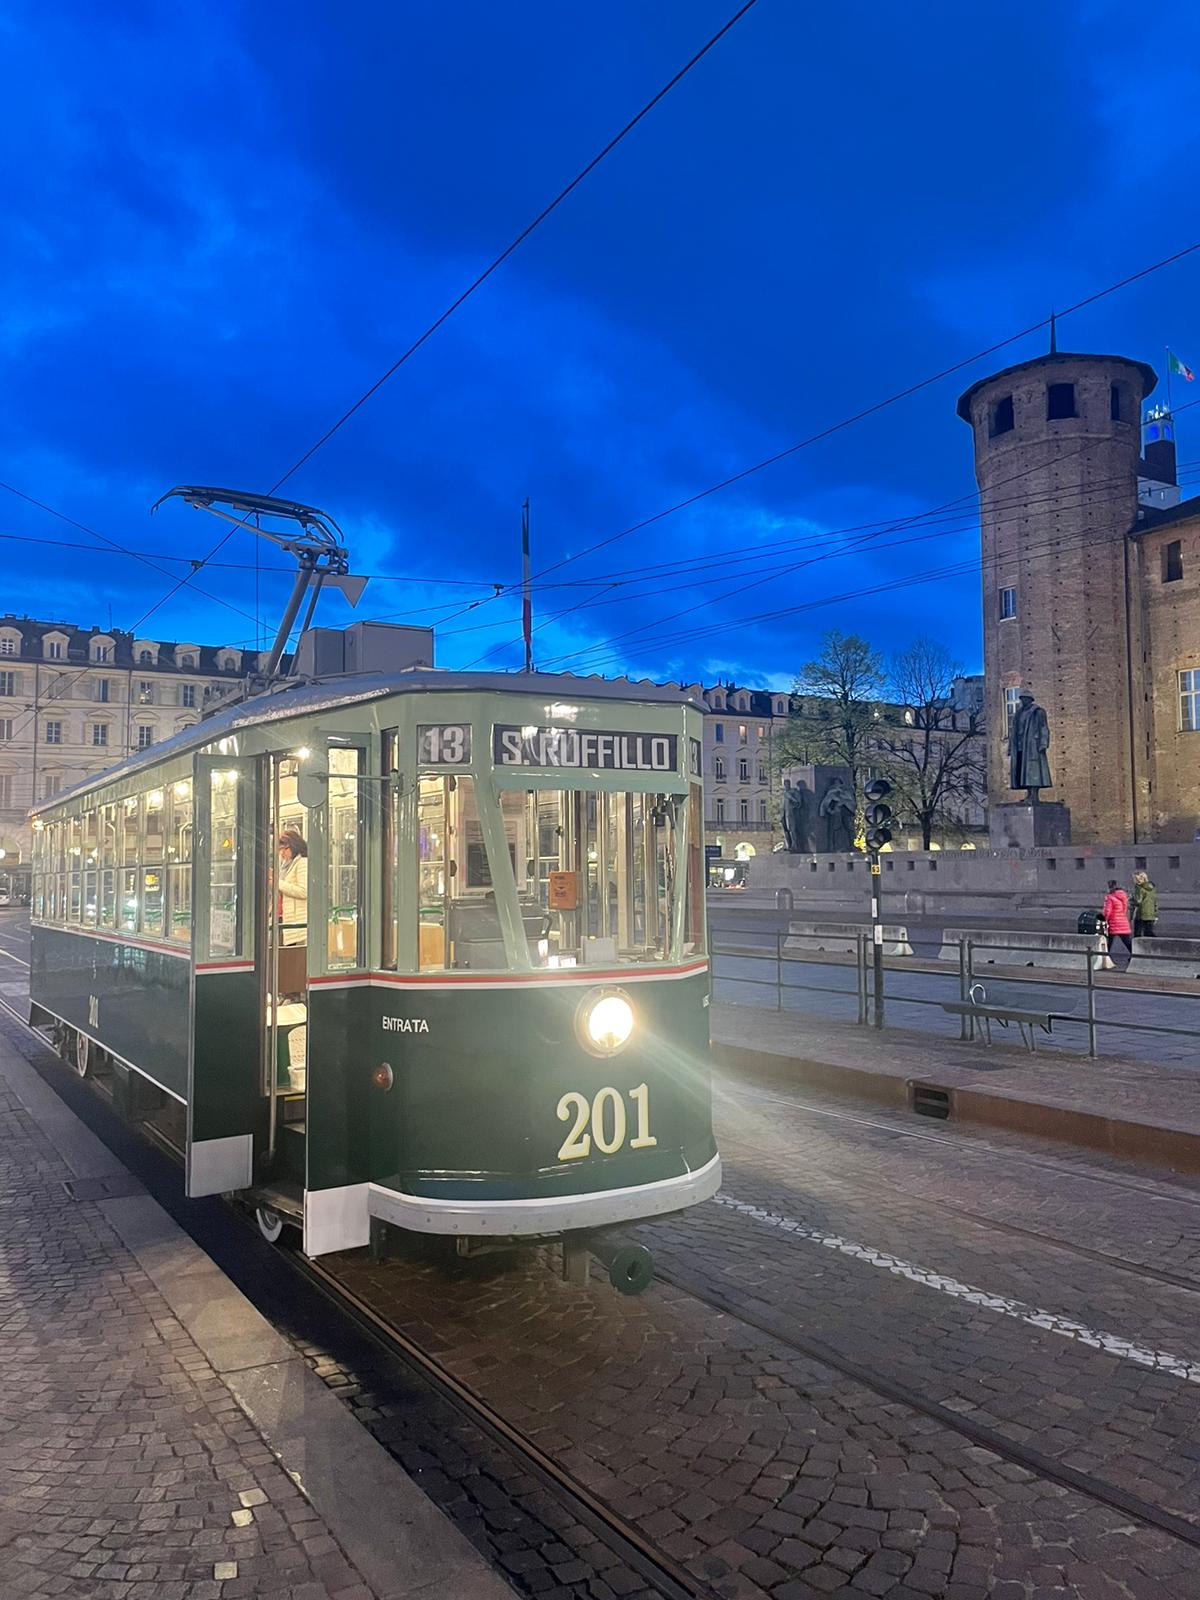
x,y
668,1578
1137,1269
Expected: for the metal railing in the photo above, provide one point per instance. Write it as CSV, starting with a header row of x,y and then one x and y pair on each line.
x,y
961,981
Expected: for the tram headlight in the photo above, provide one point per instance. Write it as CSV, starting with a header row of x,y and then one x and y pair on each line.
x,y
606,1022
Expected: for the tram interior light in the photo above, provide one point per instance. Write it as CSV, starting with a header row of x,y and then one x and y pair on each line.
x,y
608,1022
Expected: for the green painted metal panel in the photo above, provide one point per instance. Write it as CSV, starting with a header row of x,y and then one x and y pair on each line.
x,y
227,1095
140,996
473,1110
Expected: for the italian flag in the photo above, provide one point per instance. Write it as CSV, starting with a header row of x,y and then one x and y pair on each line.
x,y
1174,365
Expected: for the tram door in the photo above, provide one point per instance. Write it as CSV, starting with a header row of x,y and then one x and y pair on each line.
x,y
284,974
226,1123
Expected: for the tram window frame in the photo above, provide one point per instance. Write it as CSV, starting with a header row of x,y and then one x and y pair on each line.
x,y
621,847
391,836
345,784
226,931
180,833
445,892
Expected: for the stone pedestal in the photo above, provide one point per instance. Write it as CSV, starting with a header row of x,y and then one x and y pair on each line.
x,y
1028,825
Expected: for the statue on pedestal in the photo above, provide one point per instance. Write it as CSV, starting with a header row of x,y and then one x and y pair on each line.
x,y
797,829
837,808
1028,742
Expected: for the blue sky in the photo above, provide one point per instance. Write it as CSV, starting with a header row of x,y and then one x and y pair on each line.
x,y
224,222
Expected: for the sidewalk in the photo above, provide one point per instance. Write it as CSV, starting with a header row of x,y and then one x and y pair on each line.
x,y
1132,1109
158,1439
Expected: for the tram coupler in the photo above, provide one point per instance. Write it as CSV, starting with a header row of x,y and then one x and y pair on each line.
x,y
630,1266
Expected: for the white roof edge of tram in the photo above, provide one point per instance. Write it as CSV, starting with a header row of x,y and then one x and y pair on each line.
x,y
304,696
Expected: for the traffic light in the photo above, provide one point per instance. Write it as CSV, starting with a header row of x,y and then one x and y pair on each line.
x,y
878,815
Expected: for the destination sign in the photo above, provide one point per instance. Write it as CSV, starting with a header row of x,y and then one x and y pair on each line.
x,y
584,749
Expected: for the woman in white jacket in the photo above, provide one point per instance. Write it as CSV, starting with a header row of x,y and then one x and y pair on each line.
x,y
293,887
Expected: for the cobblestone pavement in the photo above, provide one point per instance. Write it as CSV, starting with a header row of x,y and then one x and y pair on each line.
x,y
763,1471
127,1470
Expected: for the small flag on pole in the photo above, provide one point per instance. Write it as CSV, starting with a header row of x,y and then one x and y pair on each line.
x,y
1175,366
526,597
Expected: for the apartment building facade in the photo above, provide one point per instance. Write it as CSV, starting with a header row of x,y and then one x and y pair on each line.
x,y
74,701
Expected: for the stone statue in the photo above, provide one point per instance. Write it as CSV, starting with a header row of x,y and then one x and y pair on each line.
x,y
1028,741
837,807
797,831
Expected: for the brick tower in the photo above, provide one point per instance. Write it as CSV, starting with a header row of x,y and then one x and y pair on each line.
x,y
1057,445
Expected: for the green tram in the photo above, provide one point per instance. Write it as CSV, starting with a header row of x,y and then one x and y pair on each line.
x,y
471,995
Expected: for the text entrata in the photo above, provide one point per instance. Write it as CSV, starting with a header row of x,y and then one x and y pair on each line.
x,y
584,749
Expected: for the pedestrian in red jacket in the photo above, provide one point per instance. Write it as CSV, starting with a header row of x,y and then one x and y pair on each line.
x,y
1116,917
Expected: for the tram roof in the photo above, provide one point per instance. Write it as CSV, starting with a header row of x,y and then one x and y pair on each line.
x,y
327,694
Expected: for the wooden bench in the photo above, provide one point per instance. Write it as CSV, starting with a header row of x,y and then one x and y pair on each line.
x,y
1026,1021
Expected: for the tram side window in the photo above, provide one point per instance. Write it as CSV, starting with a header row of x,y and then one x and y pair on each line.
x,y
74,869
695,928
153,847
179,862
595,873
345,837
91,866
457,924
128,813
223,923
109,815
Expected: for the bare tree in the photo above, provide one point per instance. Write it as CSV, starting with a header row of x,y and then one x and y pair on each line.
x,y
846,681
931,752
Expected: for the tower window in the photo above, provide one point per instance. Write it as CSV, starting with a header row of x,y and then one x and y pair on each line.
x,y
1012,699
1008,604
1002,417
1172,561
1060,401
1189,700
1118,403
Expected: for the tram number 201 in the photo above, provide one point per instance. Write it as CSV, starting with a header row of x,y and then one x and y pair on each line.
x,y
604,1122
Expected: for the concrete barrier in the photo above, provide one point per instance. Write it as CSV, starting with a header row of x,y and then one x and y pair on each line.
x,y
841,938
1166,958
1007,949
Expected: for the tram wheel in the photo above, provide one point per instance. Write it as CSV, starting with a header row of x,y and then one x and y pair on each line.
x,y
631,1269
270,1223
82,1055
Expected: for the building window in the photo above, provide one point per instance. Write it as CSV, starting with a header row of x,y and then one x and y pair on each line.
x,y
102,690
719,733
145,737
8,683
51,785
720,811
1189,700
187,694
762,773
743,771
145,658
5,729
1002,416
6,790
762,732
1172,561
100,734
8,647
1008,604
1060,401
744,810
719,769
54,733
187,659
1012,699
762,810
1118,405
101,652
54,649
741,733
145,692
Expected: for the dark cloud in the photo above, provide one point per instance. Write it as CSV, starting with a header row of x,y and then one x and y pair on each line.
x,y
223,225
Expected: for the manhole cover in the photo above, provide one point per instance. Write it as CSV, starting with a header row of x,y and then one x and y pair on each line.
x,y
114,1187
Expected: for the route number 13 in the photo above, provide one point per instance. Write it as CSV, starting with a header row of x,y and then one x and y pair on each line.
x,y
604,1115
